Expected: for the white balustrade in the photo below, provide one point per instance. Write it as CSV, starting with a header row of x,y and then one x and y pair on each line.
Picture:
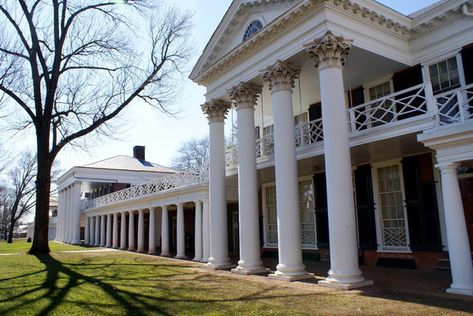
x,y
161,184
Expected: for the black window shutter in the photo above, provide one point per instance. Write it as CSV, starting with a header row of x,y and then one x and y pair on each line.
x,y
365,207
321,215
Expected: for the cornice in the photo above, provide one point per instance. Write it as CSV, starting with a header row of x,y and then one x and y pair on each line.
x,y
369,12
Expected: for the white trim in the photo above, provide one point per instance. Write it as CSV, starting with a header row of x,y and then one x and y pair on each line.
x,y
379,235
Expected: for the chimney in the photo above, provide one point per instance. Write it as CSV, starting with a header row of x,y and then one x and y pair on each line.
x,y
139,152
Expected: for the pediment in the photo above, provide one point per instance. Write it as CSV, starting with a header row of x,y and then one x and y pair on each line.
x,y
230,33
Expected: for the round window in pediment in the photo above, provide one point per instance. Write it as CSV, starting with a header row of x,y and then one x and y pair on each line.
x,y
252,28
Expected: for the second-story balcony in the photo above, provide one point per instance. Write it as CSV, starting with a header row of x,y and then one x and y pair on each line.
x,y
404,112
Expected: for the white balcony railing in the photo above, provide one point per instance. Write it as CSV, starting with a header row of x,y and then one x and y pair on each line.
x,y
394,107
450,107
455,105
161,184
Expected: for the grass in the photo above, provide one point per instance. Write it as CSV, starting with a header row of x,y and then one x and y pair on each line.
x,y
123,283
21,246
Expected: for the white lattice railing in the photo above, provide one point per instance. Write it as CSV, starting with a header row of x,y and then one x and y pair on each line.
x,y
161,184
455,105
265,146
389,109
231,156
271,235
449,107
309,133
394,236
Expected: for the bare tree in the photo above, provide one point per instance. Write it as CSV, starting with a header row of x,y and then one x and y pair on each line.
x,y
4,202
72,66
192,154
21,191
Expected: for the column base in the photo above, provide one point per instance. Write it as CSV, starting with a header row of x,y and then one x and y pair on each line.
x,y
345,286
96,245
180,257
123,248
141,251
225,266
132,249
196,259
291,277
204,261
115,247
468,292
151,252
251,271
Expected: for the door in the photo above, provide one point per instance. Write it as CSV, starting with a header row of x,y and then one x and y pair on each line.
x,y
391,213
466,188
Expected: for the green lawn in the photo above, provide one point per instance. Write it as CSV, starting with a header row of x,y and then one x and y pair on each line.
x,y
20,246
122,283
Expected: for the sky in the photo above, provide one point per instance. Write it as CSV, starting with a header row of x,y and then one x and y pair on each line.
x,y
162,134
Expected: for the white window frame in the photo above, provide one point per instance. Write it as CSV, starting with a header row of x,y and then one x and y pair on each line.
x,y
379,232
372,84
263,190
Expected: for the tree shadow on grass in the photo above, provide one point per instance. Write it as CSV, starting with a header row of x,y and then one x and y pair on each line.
x,y
55,292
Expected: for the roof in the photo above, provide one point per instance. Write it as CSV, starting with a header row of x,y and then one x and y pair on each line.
x,y
128,163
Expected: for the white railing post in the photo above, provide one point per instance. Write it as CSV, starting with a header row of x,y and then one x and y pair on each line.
x,y
460,103
352,118
432,106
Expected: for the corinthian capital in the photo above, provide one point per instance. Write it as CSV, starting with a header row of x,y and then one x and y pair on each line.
x,y
216,110
281,75
329,50
245,95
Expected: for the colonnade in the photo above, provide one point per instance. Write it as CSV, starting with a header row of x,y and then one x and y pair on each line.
x,y
68,215
329,53
117,230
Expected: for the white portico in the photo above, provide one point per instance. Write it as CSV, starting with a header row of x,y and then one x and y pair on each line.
x,y
337,163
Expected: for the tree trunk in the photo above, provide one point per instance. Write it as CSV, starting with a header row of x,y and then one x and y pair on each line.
x,y
43,190
11,228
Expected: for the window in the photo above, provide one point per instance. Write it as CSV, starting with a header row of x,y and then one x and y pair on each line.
x,y
300,118
444,75
380,91
267,130
380,112
306,213
254,27
271,220
390,195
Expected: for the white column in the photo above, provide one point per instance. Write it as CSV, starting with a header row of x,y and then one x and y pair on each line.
x,y
68,231
108,242
102,230
205,231
141,231
281,80
123,231
86,230
152,231
97,230
92,231
131,231
115,231
244,97
164,231
180,233
198,231
457,235
329,54
216,110
58,218
70,237
75,212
